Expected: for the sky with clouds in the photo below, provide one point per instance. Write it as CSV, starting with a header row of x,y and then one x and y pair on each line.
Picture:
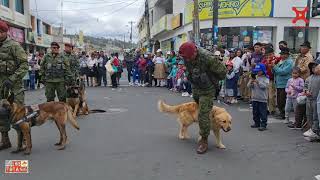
x,y
100,18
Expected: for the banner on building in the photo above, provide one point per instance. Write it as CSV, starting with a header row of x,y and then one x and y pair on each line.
x,y
16,34
231,9
176,21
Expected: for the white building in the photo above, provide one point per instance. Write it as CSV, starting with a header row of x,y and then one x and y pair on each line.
x,y
241,23
16,14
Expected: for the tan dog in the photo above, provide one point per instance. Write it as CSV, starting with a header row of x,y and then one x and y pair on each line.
x,y
187,113
59,112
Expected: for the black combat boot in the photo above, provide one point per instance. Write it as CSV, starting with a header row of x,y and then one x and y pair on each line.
x,y
5,141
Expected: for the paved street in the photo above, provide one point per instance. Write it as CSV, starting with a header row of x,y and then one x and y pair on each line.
x,y
134,141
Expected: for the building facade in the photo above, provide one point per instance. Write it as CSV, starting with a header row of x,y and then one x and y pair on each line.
x,y
16,14
241,23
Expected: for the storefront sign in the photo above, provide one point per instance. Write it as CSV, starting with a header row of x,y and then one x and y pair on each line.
x,y
231,9
39,41
47,39
176,21
16,34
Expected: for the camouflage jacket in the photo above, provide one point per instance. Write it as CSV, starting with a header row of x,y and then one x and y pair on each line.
x,y
13,64
74,64
205,72
55,69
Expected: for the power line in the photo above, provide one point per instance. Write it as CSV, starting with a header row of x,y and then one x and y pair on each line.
x,y
82,9
121,8
97,2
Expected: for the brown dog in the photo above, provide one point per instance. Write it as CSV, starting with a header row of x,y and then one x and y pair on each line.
x,y
77,99
187,113
59,112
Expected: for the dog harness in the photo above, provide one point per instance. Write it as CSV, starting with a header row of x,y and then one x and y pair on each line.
x,y
32,112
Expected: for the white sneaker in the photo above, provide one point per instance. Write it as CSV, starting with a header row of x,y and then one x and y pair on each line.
x,y
186,94
191,95
310,133
130,84
183,94
286,121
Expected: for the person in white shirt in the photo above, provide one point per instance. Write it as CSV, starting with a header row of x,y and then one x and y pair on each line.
x,y
92,65
159,71
237,67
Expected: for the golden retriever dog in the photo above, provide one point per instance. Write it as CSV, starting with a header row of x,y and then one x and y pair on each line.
x,y
187,113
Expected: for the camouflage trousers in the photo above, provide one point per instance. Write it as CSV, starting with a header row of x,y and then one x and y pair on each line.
x,y
52,88
205,103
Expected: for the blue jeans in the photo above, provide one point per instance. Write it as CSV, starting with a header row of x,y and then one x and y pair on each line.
x,y
32,77
260,113
235,87
186,87
135,75
291,103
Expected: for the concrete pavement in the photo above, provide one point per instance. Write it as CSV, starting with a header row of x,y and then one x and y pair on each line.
x,y
134,141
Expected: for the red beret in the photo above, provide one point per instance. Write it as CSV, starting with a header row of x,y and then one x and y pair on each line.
x,y
3,26
187,50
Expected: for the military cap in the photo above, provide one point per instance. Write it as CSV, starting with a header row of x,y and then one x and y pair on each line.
x,y
55,44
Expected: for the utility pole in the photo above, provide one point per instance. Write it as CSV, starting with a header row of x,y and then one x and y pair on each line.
x,y
306,30
124,40
131,23
215,16
62,31
147,16
196,23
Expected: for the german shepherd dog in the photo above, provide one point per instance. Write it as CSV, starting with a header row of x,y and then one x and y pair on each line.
x,y
59,112
187,114
77,98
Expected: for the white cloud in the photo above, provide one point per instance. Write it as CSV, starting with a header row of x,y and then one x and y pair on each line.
x,y
95,17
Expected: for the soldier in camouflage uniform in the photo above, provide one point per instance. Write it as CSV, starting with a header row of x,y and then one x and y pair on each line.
x,y
205,71
55,74
73,61
13,67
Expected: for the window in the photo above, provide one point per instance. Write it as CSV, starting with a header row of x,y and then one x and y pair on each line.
x,y
4,3
39,27
19,6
